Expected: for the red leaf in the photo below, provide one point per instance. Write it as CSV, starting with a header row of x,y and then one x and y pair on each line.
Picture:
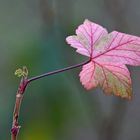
x,y
108,53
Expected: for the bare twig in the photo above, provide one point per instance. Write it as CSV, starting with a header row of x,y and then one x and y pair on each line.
x,y
19,96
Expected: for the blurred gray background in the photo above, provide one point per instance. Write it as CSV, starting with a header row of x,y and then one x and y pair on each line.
x,y
32,33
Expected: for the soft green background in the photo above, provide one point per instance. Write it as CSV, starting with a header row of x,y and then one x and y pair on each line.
x,y
32,33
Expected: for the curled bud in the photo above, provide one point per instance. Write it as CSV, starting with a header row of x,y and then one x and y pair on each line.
x,y
22,72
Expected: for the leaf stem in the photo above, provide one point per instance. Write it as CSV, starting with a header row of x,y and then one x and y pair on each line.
x,y
57,71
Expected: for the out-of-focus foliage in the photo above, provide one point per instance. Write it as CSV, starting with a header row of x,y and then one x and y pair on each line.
x,y
32,33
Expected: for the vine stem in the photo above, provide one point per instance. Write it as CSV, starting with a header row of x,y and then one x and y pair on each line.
x,y
20,92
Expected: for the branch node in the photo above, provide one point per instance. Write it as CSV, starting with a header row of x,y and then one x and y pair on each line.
x,y
15,130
